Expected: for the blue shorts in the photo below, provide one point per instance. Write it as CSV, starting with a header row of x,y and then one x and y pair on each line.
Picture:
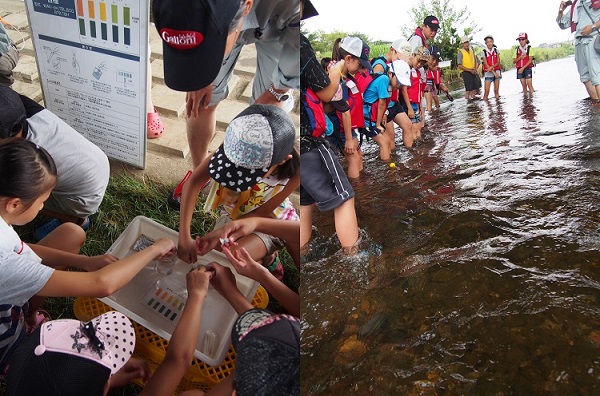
x,y
527,74
417,118
489,76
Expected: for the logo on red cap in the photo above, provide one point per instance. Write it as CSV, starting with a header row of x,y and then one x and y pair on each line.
x,y
181,39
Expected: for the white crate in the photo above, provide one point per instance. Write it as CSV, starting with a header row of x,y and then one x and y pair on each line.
x,y
133,300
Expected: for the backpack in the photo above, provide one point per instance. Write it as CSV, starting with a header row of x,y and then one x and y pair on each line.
x,y
314,112
381,60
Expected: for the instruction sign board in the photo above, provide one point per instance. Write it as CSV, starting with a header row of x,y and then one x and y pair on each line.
x,y
92,57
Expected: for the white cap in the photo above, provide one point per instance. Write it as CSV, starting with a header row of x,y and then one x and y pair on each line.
x,y
355,46
402,45
352,44
402,71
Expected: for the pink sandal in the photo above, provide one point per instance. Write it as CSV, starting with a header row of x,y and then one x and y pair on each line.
x,y
155,126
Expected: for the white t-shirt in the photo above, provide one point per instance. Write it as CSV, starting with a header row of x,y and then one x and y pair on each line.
x,y
22,276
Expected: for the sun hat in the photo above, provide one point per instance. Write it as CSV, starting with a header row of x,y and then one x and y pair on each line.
x,y
309,10
68,357
423,54
401,70
12,112
267,348
256,139
522,35
465,39
436,52
357,47
194,35
489,36
432,22
402,45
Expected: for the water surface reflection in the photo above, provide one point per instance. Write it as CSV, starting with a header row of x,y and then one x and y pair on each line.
x,y
479,273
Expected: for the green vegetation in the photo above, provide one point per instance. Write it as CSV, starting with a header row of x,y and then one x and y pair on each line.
x,y
448,37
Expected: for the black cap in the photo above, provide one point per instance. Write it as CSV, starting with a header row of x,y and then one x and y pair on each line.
x,y
267,350
432,22
12,112
309,10
436,52
194,35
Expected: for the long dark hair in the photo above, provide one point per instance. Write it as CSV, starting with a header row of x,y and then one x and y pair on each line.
x,y
26,170
289,168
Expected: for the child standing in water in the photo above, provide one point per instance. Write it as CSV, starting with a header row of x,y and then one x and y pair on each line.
x,y
491,67
345,131
434,82
523,62
30,272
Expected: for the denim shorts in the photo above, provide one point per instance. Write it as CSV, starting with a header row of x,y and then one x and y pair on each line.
x,y
527,74
417,118
489,76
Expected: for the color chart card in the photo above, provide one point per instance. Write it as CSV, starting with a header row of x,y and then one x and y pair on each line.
x,y
92,57
165,302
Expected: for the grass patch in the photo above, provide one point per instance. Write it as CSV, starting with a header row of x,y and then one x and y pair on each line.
x,y
125,199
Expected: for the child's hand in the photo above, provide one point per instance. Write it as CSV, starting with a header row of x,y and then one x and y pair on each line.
x,y
207,242
223,280
243,263
197,280
164,245
186,250
134,368
350,147
94,263
234,230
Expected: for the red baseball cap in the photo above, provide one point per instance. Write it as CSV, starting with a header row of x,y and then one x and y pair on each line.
x,y
522,35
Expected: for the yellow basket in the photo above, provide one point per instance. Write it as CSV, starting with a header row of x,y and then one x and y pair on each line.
x,y
152,348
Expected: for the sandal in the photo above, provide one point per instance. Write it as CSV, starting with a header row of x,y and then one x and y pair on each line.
x,y
174,199
42,231
41,316
155,126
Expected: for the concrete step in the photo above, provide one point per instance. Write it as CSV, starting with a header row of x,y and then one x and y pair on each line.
x,y
26,69
173,142
169,103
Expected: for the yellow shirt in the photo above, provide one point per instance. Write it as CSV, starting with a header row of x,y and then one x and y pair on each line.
x,y
468,58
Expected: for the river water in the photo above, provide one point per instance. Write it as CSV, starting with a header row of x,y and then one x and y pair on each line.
x,y
479,270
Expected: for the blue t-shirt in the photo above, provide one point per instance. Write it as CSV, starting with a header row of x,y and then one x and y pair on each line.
x,y
378,89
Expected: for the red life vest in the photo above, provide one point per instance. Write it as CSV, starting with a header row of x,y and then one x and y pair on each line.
x,y
434,77
355,99
374,106
573,25
414,91
491,57
525,60
419,32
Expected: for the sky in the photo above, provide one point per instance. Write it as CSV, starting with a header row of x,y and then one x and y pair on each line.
x,y
502,19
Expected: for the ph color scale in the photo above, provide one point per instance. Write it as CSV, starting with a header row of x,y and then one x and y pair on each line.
x,y
165,302
98,19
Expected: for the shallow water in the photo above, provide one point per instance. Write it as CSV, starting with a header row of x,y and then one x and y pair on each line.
x,y
479,272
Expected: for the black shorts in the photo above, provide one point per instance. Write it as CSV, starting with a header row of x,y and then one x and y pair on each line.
x,y
470,81
396,109
323,180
